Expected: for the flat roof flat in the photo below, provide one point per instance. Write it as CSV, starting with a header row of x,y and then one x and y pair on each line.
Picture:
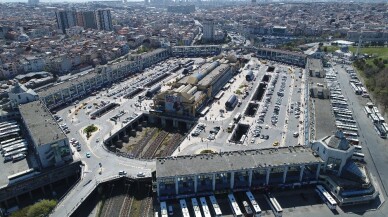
x,y
40,123
235,160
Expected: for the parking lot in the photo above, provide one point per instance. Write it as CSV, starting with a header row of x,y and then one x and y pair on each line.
x,y
270,105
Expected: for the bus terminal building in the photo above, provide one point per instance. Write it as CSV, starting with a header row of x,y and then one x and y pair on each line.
x,y
186,176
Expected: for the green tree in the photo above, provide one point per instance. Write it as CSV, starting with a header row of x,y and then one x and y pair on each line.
x,y
41,208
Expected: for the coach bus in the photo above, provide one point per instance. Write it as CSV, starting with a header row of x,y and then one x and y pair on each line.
x,y
215,206
275,206
256,207
326,197
205,208
234,206
163,209
185,210
358,156
197,211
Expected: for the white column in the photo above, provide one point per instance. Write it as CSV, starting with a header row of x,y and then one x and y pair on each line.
x,y
285,174
267,175
250,178
231,180
301,173
195,183
214,182
176,186
318,171
157,188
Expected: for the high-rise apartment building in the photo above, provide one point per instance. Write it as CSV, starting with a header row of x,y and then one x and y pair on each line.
x,y
103,20
208,30
66,19
86,19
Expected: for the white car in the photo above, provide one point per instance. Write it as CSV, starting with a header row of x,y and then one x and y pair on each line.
x,y
140,174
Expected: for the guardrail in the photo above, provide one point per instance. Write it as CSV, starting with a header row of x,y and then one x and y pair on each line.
x,y
96,183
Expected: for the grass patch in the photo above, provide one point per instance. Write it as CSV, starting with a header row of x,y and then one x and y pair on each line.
x,y
206,151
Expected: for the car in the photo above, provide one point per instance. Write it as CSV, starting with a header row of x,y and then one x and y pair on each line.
x,y
87,154
296,134
122,173
252,140
140,174
78,148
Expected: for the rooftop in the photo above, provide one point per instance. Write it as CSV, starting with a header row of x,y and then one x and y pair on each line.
x,y
212,76
315,65
235,160
42,126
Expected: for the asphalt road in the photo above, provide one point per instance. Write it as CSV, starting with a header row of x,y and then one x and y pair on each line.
x,y
374,148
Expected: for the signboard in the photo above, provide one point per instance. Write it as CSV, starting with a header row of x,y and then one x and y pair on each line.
x,y
173,103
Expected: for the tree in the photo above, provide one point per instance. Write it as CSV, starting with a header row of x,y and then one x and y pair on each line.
x,y
41,208
325,49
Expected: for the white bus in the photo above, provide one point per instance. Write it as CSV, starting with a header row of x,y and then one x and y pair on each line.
x,y
226,87
380,117
9,140
247,208
11,143
353,141
14,147
185,210
204,111
326,197
346,133
367,111
215,206
234,206
358,148
197,211
358,156
256,207
275,206
15,152
374,118
243,137
205,208
219,95
237,117
385,126
163,209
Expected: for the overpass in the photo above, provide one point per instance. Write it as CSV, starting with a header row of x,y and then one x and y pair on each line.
x,y
92,177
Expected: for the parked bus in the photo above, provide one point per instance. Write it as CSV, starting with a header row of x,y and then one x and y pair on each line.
x,y
226,87
12,143
197,211
18,157
358,148
22,175
381,131
367,111
163,209
215,206
9,140
243,137
185,210
234,206
7,123
219,95
15,152
353,141
374,118
358,156
275,206
326,197
237,117
14,147
380,117
205,208
204,111
385,126
248,209
256,207
347,133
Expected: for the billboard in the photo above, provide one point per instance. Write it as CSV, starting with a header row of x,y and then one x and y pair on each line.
x,y
173,103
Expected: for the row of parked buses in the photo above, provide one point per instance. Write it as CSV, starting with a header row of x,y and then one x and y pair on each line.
x,y
250,206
